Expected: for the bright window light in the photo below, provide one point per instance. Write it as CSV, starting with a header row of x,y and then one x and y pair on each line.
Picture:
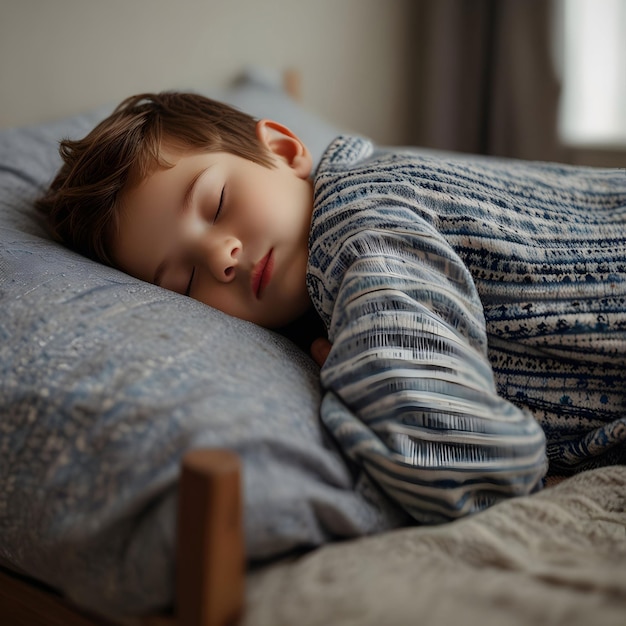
x,y
593,98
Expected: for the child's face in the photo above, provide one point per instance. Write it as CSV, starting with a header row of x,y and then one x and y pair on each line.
x,y
225,230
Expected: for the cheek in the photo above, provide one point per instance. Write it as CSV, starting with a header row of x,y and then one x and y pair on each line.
x,y
257,211
228,301
263,202
210,294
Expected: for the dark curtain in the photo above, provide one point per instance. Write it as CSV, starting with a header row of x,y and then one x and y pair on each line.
x,y
484,78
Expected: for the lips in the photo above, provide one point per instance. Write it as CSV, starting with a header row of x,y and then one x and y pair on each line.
x,y
262,274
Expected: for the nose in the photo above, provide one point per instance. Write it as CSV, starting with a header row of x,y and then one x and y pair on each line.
x,y
221,256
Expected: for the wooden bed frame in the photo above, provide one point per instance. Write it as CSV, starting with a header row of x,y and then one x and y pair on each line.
x,y
210,566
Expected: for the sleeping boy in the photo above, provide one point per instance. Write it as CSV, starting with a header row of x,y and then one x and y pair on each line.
x,y
475,307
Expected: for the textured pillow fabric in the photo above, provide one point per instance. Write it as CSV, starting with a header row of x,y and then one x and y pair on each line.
x,y
106,381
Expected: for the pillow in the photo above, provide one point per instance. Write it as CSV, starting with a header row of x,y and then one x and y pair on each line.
x,y
105,383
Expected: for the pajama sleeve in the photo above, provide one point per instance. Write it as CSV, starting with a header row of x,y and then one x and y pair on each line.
x,y
409,393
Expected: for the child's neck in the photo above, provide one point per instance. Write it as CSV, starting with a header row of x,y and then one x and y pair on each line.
x,y
304,330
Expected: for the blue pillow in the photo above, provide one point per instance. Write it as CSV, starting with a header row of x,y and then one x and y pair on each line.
x,y
105,383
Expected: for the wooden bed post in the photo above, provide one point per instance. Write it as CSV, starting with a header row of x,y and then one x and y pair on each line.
x,y
211,559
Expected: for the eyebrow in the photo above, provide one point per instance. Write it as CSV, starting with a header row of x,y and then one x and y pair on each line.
x,y
158,274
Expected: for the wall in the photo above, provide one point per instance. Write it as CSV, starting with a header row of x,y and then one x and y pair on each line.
x,y
64,56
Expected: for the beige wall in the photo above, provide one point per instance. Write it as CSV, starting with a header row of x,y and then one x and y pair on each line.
x,y
59,57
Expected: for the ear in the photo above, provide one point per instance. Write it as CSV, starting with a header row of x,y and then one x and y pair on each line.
x,y
284,144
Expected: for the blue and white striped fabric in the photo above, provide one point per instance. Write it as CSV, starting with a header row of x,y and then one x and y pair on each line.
x,y
477,307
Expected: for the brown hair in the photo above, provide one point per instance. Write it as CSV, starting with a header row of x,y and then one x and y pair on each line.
x,y
82,203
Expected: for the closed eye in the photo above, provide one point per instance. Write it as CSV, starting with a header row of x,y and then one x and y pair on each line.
x,y
219,206
188,290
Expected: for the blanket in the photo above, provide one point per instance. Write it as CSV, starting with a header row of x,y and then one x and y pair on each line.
x,y
554,557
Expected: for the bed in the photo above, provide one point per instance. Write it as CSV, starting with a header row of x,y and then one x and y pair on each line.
x,y
164,464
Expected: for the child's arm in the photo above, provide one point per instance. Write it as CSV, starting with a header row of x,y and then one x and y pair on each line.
x,y
409,391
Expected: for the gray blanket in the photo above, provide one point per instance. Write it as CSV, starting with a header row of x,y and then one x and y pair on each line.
x,y
556,557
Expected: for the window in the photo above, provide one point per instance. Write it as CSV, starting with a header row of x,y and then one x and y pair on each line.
x,y
593,100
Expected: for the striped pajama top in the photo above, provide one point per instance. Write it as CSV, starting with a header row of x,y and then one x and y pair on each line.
x,y
477,311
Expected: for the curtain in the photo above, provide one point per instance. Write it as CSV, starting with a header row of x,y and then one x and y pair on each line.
x,y
485,80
